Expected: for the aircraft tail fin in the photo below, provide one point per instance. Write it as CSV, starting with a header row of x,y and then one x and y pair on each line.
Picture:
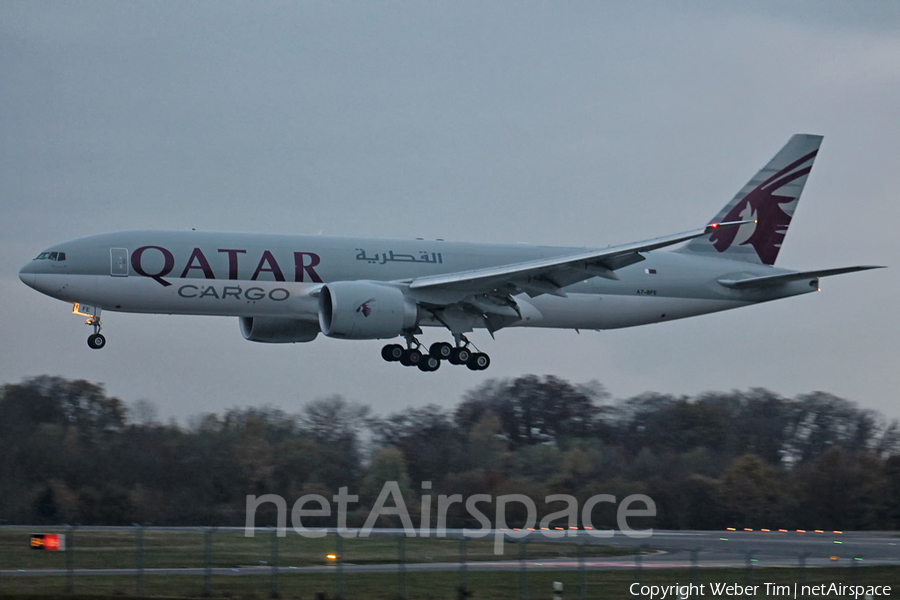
x,y
770,199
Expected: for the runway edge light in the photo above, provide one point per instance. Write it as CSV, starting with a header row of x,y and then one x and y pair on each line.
x,y
51,542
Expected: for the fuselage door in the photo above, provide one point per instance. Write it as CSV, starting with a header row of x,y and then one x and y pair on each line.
x,y
118,262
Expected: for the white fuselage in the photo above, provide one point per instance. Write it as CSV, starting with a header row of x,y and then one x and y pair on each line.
x,y
256,275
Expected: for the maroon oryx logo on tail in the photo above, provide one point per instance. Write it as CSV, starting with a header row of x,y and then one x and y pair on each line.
x,y
364,308
765,207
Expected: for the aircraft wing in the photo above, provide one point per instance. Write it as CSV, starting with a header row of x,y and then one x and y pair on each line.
x,y
550,275
771,280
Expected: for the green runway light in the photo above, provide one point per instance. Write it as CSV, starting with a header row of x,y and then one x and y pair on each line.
x,y
838,542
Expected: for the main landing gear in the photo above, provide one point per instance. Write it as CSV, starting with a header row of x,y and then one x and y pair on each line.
x,y
413,356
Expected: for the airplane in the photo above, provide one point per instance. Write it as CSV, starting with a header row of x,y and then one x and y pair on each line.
x,y
290,288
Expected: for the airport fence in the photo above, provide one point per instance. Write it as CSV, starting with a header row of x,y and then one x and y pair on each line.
x,y
145,561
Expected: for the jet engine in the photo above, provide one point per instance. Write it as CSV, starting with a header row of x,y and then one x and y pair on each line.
x,y
278,330
365,310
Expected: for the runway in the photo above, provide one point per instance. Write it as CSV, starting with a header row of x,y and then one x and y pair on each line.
x,y
662,550
772,548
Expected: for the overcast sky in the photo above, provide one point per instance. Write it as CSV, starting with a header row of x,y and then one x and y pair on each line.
x,y
570,123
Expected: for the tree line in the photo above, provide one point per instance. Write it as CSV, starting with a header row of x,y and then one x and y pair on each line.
x,y
70,453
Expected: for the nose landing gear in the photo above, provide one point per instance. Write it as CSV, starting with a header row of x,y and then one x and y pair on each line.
x,y
96,340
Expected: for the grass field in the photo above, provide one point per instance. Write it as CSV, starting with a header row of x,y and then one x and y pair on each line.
x,y
612,585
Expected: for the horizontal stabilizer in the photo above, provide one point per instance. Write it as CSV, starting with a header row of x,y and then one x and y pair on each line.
x,y
772,280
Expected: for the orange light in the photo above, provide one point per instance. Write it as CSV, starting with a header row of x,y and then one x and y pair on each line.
x,y
331,556
747,529
819,531
76,310
801,531
48,541
766,530
838,532
731,529
782,530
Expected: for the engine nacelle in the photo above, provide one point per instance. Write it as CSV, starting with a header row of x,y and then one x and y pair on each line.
x,y
278,330
365,310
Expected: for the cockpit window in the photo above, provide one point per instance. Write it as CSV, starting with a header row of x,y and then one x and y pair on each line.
x,y
57,256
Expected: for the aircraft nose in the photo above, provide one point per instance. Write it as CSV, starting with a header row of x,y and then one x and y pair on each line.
x,y
27,274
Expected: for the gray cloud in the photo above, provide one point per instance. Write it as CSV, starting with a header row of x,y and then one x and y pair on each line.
x,y
576,124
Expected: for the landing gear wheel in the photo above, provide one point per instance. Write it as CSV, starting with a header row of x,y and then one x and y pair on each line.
x,y
96,341
479,361
411,358
440,350
429,364
392,352
460,356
